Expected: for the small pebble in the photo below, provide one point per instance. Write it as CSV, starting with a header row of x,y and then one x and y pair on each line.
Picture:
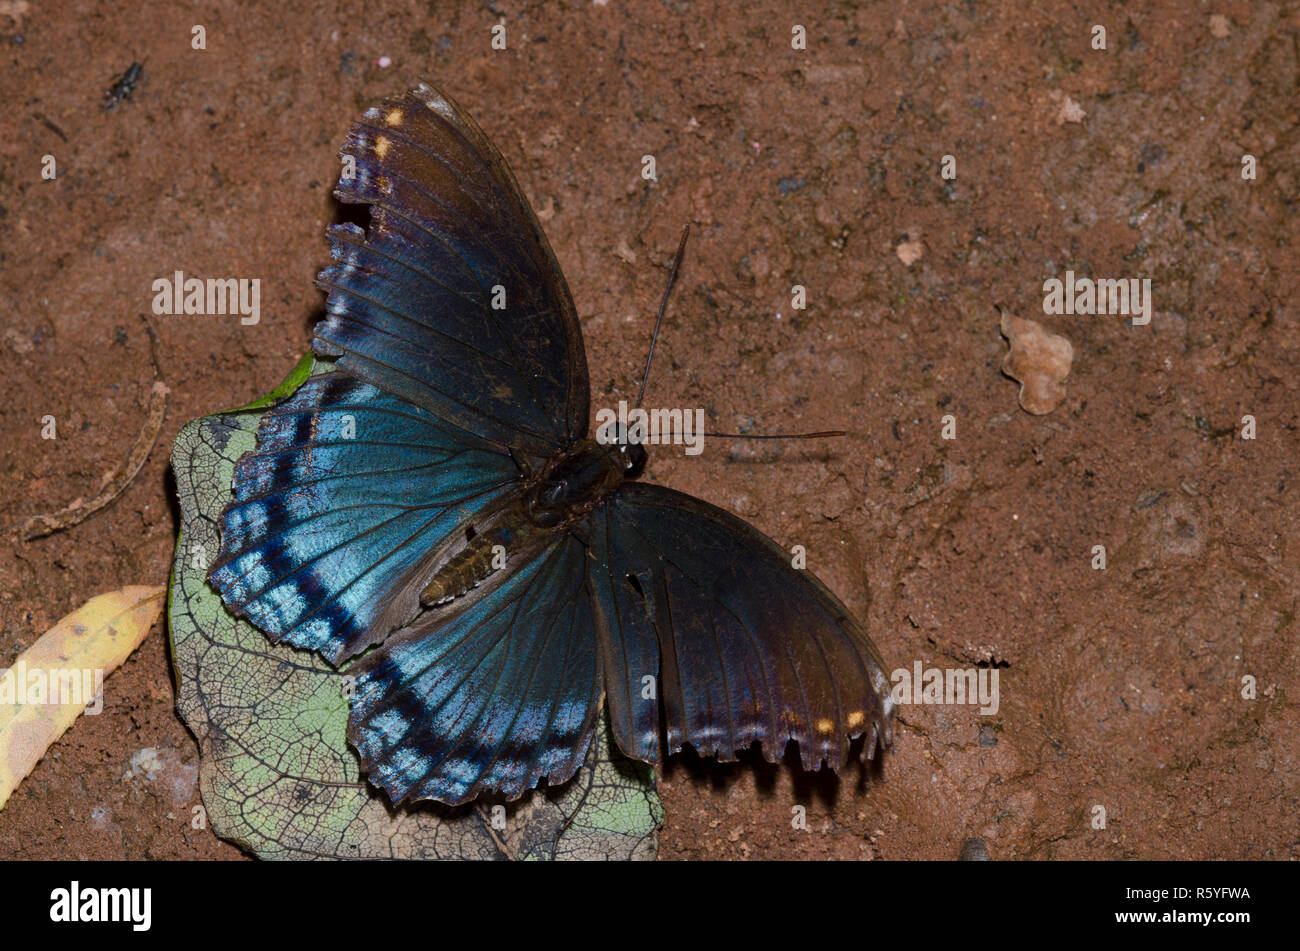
x,y
910,251
145,763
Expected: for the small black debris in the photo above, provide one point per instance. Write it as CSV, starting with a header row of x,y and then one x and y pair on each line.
x,y
121,90
1151,154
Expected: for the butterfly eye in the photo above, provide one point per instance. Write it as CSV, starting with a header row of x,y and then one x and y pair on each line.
x,y
556,493
634,459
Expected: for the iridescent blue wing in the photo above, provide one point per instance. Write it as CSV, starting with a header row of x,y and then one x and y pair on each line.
x,y
739,646
346,496
330,539
452,298
500,696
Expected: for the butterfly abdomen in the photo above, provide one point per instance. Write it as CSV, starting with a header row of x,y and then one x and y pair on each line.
x,y
571,485
483,554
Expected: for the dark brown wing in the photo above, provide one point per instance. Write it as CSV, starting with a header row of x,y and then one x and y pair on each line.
x,y
741,646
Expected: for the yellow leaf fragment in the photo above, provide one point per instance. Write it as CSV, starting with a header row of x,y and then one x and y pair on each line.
x,y
62,674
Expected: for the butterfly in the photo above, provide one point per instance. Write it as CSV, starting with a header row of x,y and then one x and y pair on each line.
x,y
431,512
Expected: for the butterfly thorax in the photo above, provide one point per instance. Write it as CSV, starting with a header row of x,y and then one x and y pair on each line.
x,y
575,482
564,491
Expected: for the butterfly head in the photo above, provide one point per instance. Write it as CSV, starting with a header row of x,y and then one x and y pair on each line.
x,y
631,455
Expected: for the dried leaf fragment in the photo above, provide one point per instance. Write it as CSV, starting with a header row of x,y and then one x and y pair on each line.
x,y
114,482
59,676
1039,360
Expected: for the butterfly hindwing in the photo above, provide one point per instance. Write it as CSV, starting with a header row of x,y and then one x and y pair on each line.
x,y
347,491
742,647
452,297
499,697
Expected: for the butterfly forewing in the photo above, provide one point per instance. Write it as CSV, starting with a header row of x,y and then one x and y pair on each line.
x,y
451,298
340,501
330,527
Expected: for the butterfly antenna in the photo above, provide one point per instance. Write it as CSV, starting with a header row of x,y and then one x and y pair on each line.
x,y
827,434
663,306
654,338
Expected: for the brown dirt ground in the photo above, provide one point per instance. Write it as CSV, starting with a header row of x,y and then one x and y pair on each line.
x,y
1118,687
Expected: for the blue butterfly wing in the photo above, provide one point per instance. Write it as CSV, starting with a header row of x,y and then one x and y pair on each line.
x,y
739,646
455,387
451,298
348,492
368,476
500,696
